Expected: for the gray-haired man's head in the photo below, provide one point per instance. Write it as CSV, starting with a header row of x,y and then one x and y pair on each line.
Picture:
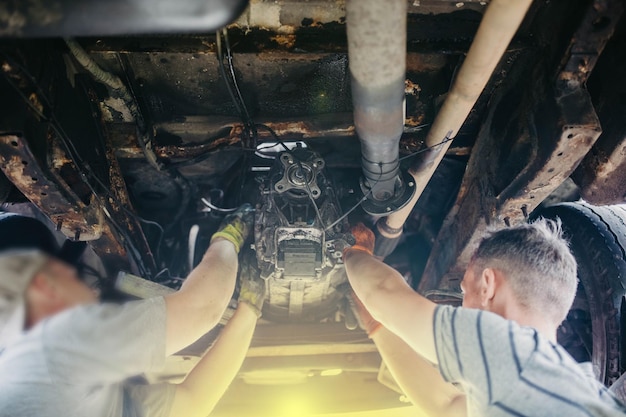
x,y
537,264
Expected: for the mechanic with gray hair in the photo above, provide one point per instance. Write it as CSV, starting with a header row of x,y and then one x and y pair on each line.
x,y
500,347
65,354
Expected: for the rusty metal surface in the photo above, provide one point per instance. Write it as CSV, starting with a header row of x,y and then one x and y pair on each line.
x,y
578,129
602,174
596,28
118,201
442,28
122,209
76,219
199,135
54,198
516,164
562,140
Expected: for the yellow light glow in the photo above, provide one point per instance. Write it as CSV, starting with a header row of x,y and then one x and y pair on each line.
x,y
331,372
295,407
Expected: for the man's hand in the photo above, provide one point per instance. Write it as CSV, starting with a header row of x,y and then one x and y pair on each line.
x,y
252,293
363,239
236,226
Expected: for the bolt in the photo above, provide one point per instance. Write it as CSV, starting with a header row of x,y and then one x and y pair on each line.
x,y
388,209
411,184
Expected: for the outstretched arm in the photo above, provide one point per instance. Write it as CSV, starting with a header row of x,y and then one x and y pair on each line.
x,y
209,379
387,297
391,301
200,303
420,381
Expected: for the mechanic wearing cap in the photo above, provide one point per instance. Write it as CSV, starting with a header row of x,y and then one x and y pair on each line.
x,y
500,347
64,354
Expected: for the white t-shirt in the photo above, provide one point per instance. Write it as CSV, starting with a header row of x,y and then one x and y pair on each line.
x,y
77,363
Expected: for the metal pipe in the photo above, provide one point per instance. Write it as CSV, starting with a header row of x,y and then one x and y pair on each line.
x,y
106,78
498,26
377,55
118,90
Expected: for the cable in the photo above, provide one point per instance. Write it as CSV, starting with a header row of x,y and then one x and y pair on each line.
x,y
153,223
310,193
220,59
196,159
231,68
169,277
207,202
446,139
365,197
274,135
240,104
161,272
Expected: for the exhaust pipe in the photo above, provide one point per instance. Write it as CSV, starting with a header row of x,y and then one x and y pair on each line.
x,y
377,55
498,26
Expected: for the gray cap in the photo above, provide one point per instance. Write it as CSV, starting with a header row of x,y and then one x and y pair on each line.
x,y
17,269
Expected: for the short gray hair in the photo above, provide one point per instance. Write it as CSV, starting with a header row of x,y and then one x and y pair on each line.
x,y
537,263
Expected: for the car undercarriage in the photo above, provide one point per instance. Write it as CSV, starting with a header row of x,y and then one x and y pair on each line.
x,y
139,136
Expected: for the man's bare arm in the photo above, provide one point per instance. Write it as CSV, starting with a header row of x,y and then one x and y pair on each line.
x,y
391,301
200,303
207,382
420,381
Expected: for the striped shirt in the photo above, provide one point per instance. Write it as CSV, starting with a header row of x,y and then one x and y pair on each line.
x,y
508,370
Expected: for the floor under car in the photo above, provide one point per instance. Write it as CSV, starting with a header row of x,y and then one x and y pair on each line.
x,y
298,370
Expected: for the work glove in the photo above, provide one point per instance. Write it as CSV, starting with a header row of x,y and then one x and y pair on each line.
x,y
363,239
236,226
365,319
252,292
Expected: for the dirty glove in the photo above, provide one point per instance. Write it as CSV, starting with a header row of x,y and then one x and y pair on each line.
x,y
365,319
252,292
236,226
363,239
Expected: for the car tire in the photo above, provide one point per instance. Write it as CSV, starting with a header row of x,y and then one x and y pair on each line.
x,y
591,331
